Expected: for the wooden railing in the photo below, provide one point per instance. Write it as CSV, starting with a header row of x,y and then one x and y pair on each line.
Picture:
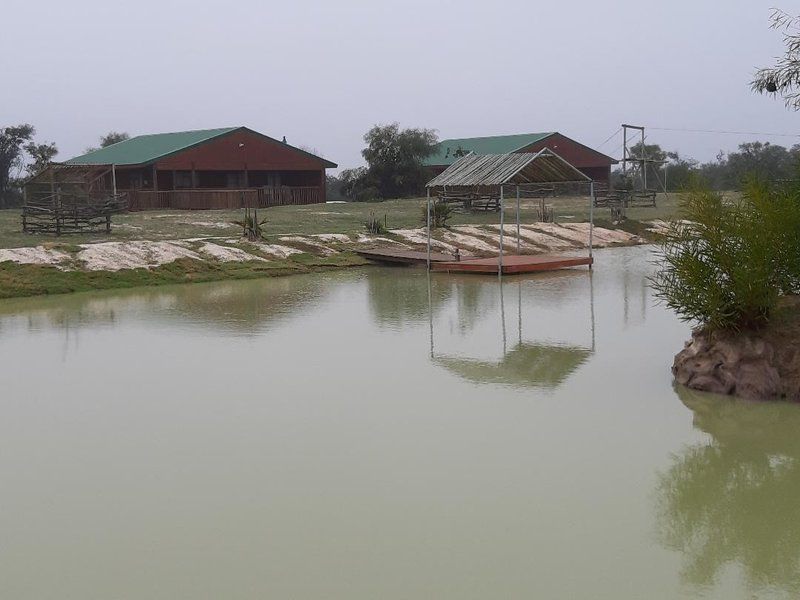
x,y
63,212
223,199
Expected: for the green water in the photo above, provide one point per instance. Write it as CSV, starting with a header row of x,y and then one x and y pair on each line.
x,y
367,434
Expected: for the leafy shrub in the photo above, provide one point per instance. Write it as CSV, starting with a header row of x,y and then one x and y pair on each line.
x,y
374,225
440,213
251,226
726,264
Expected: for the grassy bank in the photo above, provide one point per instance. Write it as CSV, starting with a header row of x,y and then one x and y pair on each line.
x,y
346,218
35,280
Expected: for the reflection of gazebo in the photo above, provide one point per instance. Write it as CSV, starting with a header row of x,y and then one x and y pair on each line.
x,y
525,364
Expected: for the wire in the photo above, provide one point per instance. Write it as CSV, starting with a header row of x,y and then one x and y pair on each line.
x,y
608,139
793,135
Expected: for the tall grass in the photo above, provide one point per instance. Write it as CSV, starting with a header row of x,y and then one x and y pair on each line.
x,y
725,264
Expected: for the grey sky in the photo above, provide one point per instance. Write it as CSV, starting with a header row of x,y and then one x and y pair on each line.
x,y
321,73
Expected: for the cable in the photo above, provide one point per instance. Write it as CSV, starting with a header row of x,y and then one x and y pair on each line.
x,y
793,135
608,139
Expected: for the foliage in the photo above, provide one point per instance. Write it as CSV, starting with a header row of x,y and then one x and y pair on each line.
x,y
113,137
375,225
725,265
394,164
251,226
41,156
440,213
358,186
12,140
783,78
770,162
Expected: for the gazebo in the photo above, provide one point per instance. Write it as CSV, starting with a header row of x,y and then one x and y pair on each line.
x,y
499,174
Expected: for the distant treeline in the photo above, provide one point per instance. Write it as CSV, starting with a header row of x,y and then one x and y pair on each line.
x,y
768,162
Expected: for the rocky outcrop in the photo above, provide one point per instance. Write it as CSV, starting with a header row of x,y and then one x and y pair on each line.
x,y
753,365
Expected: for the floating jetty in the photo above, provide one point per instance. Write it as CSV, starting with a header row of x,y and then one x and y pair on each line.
x,y
514,263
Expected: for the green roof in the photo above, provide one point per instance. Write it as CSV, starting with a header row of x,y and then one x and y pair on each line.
x,y
448,151
144,149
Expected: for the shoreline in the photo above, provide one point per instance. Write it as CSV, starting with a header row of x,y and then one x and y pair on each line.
x,y
60,268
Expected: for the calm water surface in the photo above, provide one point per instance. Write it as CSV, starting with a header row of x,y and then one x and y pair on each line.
x,y
368,434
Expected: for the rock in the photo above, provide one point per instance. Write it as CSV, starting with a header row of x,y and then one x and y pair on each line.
x,y
740,364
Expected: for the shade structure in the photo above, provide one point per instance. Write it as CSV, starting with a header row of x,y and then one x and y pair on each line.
x,y
495,172
483,170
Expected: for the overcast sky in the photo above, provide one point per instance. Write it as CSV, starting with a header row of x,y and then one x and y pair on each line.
x,y
322,72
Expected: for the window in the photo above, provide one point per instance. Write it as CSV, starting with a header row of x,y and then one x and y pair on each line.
x,y
234,180
183,179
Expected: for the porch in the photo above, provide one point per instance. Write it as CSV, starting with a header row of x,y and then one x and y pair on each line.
x,y
217,199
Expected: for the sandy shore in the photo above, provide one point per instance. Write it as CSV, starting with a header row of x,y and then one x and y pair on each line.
x,y
468,239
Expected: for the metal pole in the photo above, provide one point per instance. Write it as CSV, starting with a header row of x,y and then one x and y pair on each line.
x,y
517,219
591,219
114,179
502,225
644,166
429,228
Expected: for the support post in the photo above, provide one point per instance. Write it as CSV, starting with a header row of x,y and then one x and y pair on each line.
x,y
155,179
502,225
591,219
644,166
114,180
518,219
429,227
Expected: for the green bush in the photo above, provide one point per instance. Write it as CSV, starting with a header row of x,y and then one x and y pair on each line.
x,y
440,213
725,265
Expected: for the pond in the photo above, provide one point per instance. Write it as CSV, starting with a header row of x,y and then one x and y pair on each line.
x,y
376,433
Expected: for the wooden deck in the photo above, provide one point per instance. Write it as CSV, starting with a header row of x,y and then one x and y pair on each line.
x,y
403,257
513,264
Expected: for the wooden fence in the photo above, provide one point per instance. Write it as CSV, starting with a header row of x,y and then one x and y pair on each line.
x,y
223,199
61,213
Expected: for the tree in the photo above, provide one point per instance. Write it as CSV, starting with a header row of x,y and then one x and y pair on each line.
x,y
12,140
783,78
394,159
41,156
113,137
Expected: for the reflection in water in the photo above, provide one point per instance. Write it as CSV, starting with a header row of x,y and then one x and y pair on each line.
x,y
736,499
238,306
526,364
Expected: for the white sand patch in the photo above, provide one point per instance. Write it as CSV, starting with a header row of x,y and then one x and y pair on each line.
x,y
466,239
307,241
227,254
604,237
535,241
420,237
276,250
330,238
34,256
658,226
113,256
575,237
363,238
213,224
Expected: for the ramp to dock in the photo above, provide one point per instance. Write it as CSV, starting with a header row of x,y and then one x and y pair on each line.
x,y
402,256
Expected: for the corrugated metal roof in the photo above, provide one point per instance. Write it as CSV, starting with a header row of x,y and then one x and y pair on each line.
x,y
473,170
144,149
449,151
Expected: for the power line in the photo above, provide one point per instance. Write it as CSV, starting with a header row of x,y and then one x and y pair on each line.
x,y
793,135
608,139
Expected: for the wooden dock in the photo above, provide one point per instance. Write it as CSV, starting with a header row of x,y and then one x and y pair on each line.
x,y
513,264
402,256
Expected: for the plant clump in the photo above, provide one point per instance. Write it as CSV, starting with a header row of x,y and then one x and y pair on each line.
x,y
441,212
725,265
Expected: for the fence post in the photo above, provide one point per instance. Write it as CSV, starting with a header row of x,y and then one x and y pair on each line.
x,y
58,210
